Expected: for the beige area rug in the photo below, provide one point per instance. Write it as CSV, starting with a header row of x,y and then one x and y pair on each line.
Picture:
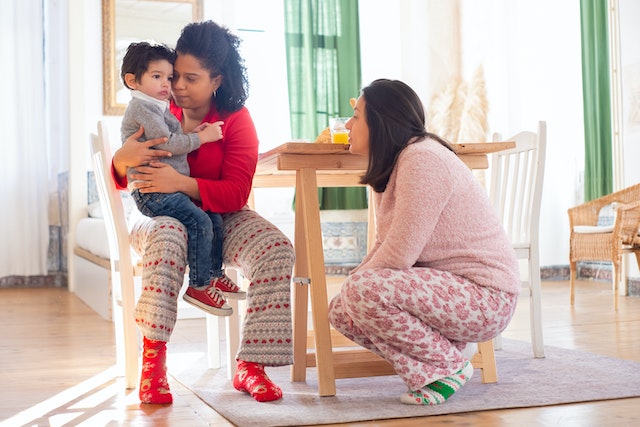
x,y
564,376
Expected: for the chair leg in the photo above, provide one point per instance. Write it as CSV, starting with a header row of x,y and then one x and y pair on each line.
x,y
497,342
233,324
616,280
126,337
213,341
535,308
485,360
572,285
233,337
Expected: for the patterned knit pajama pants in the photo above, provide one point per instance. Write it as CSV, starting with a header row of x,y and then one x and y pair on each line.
x,y
419,319
251,243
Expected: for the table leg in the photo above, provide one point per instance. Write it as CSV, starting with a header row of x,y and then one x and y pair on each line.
x,y
308,191
371,221
300,293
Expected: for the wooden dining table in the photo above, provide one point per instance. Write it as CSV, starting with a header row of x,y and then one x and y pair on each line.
x,y
306,167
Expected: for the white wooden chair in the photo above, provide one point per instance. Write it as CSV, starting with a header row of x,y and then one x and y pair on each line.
x,y
516,192
125,267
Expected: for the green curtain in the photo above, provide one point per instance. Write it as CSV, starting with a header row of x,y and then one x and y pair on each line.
x,y
598,171
323,64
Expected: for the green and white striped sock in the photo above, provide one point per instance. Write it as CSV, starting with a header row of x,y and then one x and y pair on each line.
x,y
439,391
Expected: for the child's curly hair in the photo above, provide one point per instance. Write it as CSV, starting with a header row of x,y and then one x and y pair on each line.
x,y
138,56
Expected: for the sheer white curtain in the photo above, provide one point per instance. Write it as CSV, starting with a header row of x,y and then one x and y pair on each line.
x,y
24,233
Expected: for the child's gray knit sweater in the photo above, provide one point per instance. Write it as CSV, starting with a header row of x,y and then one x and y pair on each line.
x,y
157,120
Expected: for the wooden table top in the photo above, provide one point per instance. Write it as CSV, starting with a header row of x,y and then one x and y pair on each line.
x,y
279,164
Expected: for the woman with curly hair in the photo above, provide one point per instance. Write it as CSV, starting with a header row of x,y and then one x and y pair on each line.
x,y
210,85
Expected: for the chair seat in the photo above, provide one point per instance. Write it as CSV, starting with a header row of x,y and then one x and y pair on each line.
x,y
593,229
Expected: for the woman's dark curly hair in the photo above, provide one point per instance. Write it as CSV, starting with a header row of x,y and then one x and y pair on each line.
x,y
395,117
217,50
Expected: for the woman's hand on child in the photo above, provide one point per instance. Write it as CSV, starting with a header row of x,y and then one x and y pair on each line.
x,y
157,177
134,153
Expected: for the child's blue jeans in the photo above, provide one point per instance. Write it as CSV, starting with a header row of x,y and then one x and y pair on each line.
x,y
204,231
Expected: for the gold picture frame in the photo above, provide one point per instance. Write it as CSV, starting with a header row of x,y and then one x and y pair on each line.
x,y
124,21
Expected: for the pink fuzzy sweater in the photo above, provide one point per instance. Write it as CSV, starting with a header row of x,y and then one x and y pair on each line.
x,y
434,213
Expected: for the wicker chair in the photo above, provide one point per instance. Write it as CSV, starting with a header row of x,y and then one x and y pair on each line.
x,y
592,242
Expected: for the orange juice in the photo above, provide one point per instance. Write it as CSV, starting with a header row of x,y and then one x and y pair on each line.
x,y
340,137
339,131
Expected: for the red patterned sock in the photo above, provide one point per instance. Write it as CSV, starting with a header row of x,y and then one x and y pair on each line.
x,y
252,378
154,387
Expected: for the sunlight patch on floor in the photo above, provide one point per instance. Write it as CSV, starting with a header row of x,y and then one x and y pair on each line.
x,y
66,406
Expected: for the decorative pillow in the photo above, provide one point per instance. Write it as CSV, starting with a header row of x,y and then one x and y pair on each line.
x,y
94,210
607,215
131,212
606,221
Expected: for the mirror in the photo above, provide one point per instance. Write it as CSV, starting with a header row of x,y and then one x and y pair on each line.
x,y
126,21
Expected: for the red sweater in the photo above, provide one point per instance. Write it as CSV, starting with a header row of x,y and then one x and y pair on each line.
x,y
224,169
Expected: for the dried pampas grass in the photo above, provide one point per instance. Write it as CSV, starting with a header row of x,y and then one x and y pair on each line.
x,y
459,112
473,120
445,109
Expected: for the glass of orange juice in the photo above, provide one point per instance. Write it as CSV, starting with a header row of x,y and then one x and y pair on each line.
x,y
339,133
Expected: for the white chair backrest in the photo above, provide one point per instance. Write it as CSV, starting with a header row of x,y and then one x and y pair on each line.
x,y
516,184
122,273
111,201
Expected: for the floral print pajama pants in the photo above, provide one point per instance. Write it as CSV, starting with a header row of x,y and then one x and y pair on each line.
x,y
419,319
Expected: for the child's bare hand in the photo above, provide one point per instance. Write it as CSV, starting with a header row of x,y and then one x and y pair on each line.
x,y
211,132
200,127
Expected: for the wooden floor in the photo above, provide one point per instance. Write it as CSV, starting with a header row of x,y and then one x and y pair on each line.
x,y
57,357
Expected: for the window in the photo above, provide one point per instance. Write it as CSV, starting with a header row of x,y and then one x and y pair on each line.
x,y
263,48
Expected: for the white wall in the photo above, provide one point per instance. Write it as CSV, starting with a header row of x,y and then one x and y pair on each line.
x,y
85,101
630,67
530,52
629,33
